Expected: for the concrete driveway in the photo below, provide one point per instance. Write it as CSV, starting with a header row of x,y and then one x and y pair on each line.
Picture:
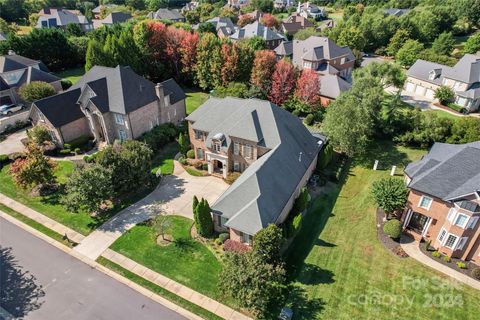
x,y
176,191
13,143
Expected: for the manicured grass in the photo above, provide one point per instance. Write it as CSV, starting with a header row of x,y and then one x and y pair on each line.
x,y
50,206
158,290
164,159
71,74
444,114
35,225
184,260
194,172
341,270
194,99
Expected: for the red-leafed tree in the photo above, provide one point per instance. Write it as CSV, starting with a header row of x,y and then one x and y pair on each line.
x,y
173,41
270,21
156,34
244,19
283,82
230,62
263,67
188,51
308,88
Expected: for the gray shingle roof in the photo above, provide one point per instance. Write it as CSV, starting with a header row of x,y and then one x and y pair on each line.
x,y
63,17
166,14
396,12
171,88
224,23
332,86
61,108
13,62
448,171
256,29
32,74
313,48
466,70
259,195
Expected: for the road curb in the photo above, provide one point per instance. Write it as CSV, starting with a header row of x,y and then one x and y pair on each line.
x,y
132,285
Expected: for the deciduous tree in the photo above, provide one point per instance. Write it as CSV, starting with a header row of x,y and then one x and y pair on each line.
x,y
408,54
308,88
34,170
390,194
283,82
270,21
263,67
36,90
209,61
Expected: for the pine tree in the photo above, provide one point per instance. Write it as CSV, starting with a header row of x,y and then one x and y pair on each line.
x,y
194,204
204,222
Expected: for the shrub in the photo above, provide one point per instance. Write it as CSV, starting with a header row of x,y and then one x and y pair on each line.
x,y
66,84
77,151
461,265
203,219
160,135
231,177
191,154
36,90
90,158
296,112
444,94
235,246
81,142
224,237
436,254
476,273
4,159
67,146
16,155
325,157
456,107
65,152
302,200
447,259
35,169
182,160
218,242
308,119
390,194
39,134
205,166
197,164
393,228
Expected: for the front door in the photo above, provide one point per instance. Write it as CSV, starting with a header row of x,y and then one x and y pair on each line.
x,y
417,222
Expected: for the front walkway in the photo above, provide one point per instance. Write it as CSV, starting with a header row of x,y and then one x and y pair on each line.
x,y
411,248
175,191
13,143
180,290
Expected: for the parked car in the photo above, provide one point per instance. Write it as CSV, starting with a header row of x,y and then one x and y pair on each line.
x,y
8,109
286,314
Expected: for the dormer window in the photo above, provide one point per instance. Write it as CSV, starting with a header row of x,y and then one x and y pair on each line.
x,y
431,75
216,146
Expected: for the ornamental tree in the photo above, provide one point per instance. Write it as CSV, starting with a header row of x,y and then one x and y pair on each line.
x,y
444,94
203,219
390,194
393,228
88,188
270,21
209,61
308,88
263,68
230,55
283,82
267,244
36,90
244,19
34,170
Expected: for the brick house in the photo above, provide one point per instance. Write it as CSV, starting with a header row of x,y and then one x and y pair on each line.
x,y
60,18
269,146
334,64
424,77
109,104
444,200
256,29
16,71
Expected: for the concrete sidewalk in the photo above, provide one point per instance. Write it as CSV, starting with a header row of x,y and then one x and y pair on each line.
x,y
42,219
180,290
412,249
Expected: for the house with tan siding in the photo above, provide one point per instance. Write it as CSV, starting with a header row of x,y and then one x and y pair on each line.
x,y
269,146
444,201
109,104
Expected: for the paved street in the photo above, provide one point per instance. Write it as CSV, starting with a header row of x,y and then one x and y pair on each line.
x,y
41,282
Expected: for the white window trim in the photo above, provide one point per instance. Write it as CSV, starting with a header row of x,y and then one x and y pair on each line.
x,y
466,221
441,235
119,119
472,222
454,243
461,243
451,214
429,205
120,134
249,153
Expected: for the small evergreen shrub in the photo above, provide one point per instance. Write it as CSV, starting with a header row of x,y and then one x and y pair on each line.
x,y
476,273
90,158
461,265
205,166
65,152
308,119
447,259
393,228
182,160
224,237
77,151
191,154
4,159
436,254
66,84
67,146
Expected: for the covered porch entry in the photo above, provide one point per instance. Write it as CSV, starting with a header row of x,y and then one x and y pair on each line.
x,y
416,224
217,164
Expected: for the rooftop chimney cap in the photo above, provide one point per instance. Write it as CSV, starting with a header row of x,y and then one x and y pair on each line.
x,y
11,52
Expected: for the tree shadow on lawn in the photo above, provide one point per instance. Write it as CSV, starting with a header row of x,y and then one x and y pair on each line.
x,y
304,307
387,155
312,275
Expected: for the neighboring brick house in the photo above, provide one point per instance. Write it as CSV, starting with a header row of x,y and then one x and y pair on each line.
x,y
271,148
256,29
109,104
60,18
294,23
333,63
424,77
16,70
444,200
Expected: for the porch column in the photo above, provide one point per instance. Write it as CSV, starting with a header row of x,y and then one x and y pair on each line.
x,y
408,216
210,164
225,169
93,129
425,228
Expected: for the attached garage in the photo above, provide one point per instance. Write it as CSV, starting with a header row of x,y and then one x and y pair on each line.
x,y
410,87
430,94
419,90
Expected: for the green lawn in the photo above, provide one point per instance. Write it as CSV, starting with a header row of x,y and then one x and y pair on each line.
x,y
158,290
184,260
444,114
71,74
164,159
341,271
194,99
50,206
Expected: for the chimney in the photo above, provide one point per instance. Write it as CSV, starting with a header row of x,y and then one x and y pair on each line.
x,y
159,92
11,52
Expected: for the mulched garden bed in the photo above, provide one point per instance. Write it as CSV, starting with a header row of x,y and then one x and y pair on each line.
x,y
392,245
453,262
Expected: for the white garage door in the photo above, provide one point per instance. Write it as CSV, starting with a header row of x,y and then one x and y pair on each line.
x,y
410,87
420,90
430,94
